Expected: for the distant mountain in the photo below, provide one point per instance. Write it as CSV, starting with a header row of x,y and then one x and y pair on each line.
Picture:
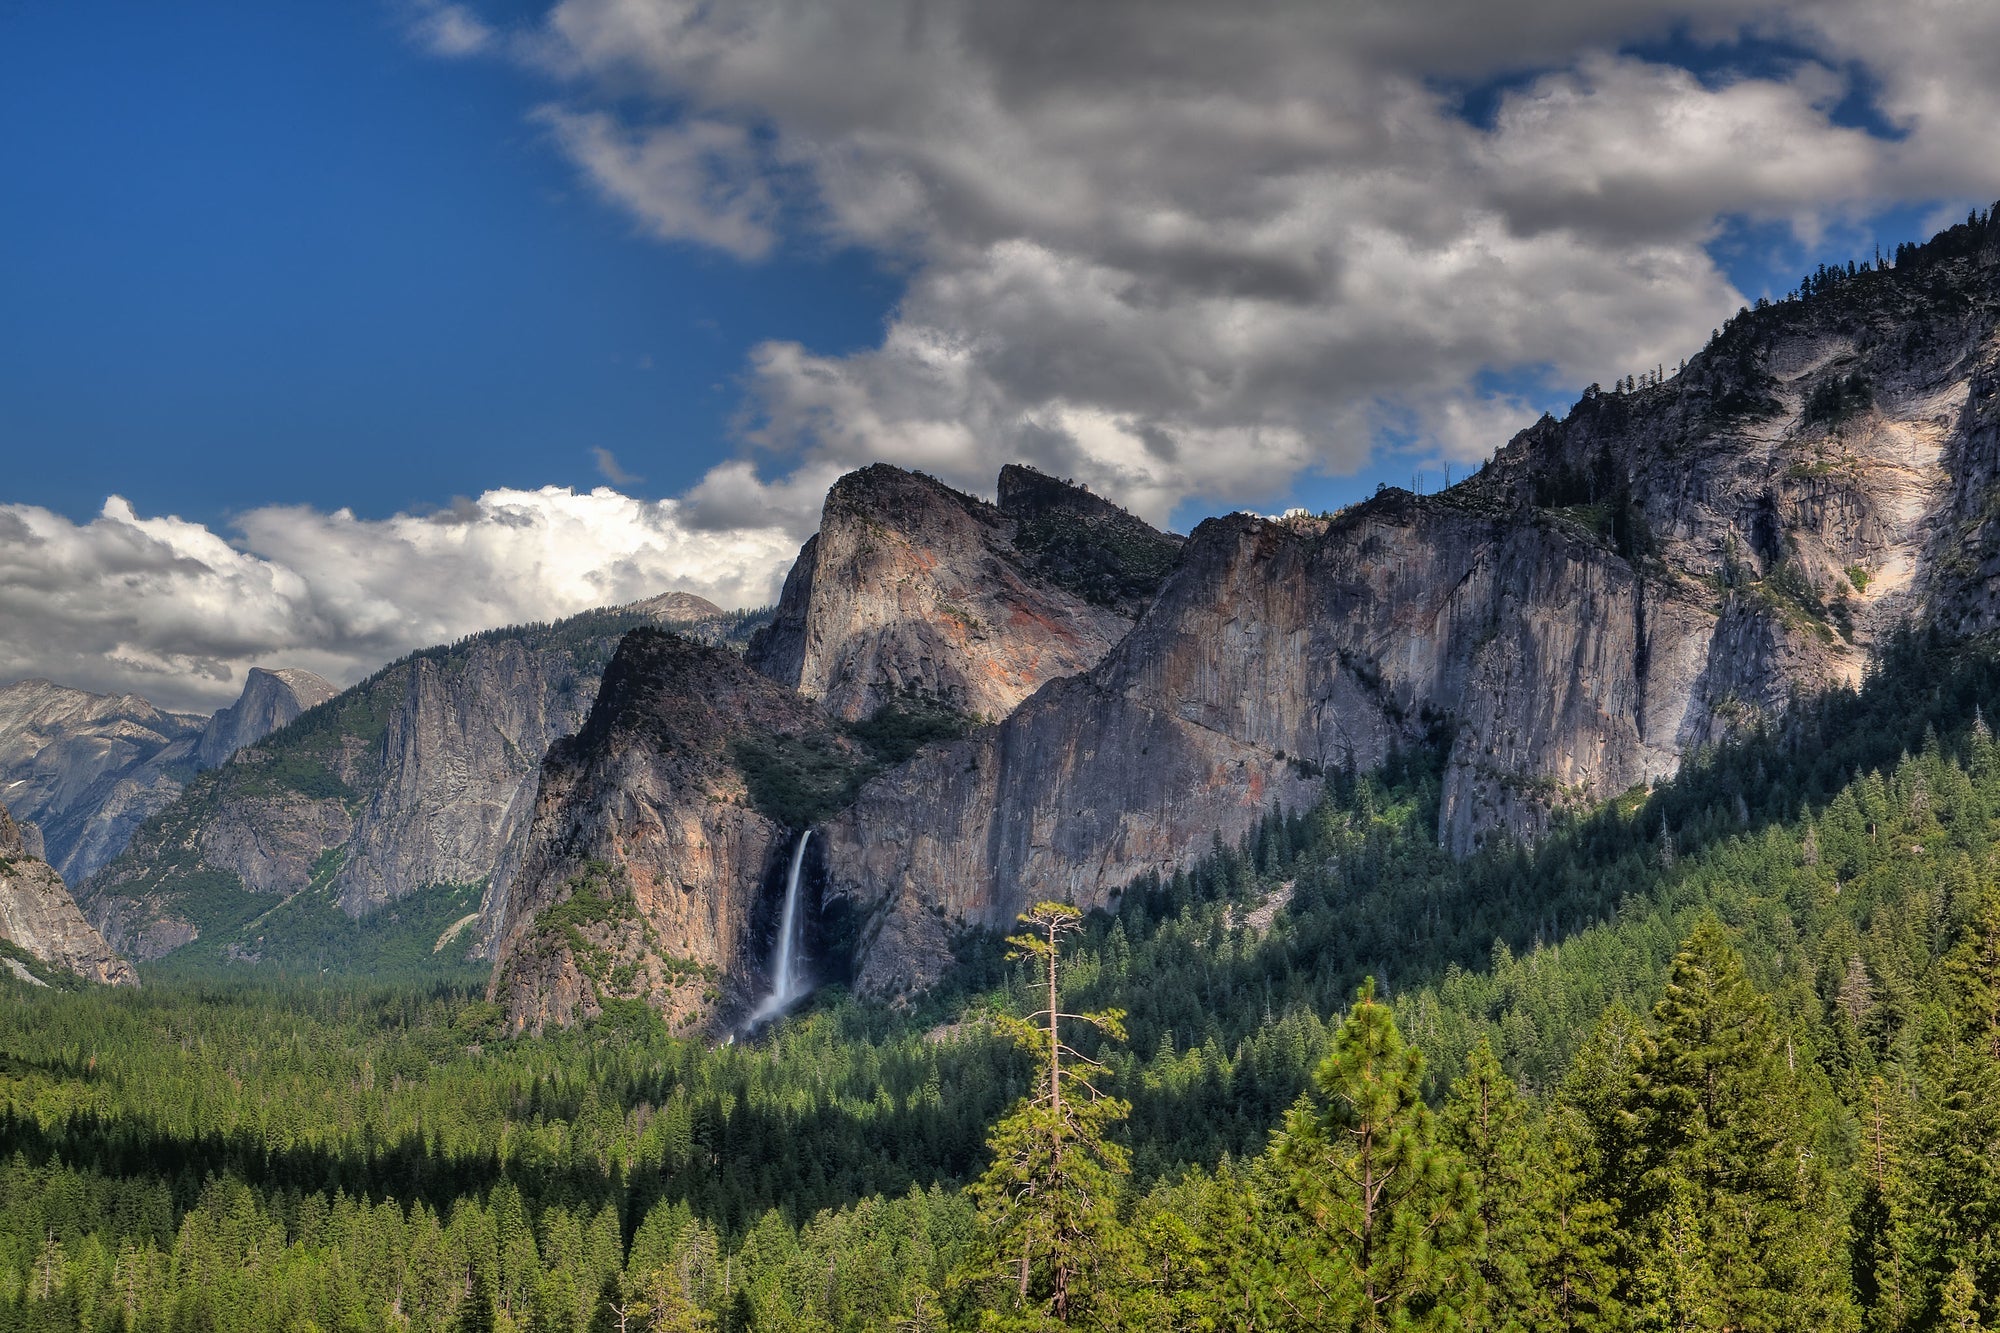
x,y
87,769
389,804
39,919
269,700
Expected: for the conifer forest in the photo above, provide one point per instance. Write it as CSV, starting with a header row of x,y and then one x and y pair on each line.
x,y
1721,1054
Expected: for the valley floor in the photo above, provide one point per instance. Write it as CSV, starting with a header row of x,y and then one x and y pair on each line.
x,y
1652,1074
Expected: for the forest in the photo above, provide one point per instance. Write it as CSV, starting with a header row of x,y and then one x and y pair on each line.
x,y
1723,1053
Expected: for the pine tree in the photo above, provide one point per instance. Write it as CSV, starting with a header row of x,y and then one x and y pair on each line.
x,y
1379,1222
1958,1311
1952,1217
1049,1200
475,1308
1545,1258
1729,1201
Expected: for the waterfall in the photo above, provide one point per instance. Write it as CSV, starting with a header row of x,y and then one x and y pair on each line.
x,y
786,983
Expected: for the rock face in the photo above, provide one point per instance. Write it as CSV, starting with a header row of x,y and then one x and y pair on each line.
x,y
85,769
912,588
1656,570
646,864
38,915
269,700
419,777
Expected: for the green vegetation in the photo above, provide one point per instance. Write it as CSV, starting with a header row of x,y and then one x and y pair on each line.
x,y
907,724
1721,1054
800,780
1108,558
307,935
1837,398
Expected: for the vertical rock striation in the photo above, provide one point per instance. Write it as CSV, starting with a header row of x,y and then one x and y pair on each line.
x,y
38,915
912,588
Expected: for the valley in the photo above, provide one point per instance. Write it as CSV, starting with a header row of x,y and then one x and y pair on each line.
x,y
1608,841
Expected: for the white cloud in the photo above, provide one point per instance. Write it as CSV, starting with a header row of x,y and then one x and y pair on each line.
x,y
1180,250
694,180
169,609
449,30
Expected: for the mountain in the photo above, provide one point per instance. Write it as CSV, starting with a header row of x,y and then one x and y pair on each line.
x,y
915,610
392,801
648,857
39,918
912,589
269,700
1663,568
88,769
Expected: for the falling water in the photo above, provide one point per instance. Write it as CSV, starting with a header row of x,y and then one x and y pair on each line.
x,y
786,984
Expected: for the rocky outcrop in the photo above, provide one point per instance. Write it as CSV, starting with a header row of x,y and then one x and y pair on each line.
x,y
38,915
269,700
85,769
88,769
911,588
403,783
1662,567
647,861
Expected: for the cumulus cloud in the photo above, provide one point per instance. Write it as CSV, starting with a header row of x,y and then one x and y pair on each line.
x,y
1183,250
171,610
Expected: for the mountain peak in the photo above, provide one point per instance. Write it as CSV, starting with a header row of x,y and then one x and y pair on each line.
x,y
911,588
270,699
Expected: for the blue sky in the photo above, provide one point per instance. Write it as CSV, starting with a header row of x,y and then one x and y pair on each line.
x,y
352,304
279,254
275,253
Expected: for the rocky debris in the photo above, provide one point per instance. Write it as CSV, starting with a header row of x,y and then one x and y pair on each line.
x,y
269,700
647,861
38,915
913,589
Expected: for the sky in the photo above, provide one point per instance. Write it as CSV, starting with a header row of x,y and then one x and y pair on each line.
x,y
334,328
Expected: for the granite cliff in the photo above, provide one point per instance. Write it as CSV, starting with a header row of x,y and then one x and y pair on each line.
x,y
646,874
1667,564
913,589
87,769
39,918
410,784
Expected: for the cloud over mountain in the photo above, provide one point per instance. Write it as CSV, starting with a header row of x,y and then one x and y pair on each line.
x,y
171,610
